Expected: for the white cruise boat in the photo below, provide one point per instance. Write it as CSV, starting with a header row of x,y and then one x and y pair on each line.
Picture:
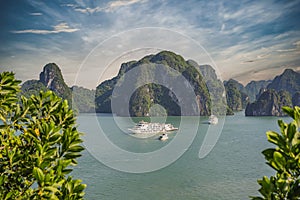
x,y
151,128
213,120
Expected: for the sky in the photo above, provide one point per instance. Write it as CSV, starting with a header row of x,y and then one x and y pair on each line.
x,y
89,39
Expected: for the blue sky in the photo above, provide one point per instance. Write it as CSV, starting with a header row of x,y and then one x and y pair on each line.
x,y
247,40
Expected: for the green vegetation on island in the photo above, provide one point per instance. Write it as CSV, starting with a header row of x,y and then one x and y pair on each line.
x,y
51,78
283,90
215,87
32,87
150,94
83,99
237,99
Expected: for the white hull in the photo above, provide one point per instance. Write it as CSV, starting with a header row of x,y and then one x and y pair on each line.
x,y
145,128
213,120
163,137
137,131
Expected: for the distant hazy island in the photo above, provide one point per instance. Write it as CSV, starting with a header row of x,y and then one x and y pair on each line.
x,y
258,98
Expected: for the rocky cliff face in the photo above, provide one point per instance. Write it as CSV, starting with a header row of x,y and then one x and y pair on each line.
x,y
296,99
254,87
270,103
289,81
52,78
50,72
282,91
236,97
215,87
208,73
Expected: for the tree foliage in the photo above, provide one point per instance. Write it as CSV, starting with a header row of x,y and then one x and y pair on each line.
x,y
285,159
38,142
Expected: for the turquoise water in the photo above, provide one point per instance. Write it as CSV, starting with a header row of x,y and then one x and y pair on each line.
x,y
228,172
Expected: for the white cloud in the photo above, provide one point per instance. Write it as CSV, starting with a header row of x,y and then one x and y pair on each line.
x,y
297,44
286,50
110,7
89,10
36,14
119,3
237,48
59,28
223,27
262,60
234,30
69,5
259,13
282,35
64,27
238,38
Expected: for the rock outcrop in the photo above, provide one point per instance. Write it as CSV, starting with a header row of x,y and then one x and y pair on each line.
x,y
270,103
289,81
150,94
237,99
52,78
282,91
254,87
296,99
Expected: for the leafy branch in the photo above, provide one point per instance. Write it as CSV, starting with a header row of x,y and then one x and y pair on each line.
x,y
38,142
285,159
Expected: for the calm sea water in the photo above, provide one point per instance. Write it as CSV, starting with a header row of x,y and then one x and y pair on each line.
x,y
228,172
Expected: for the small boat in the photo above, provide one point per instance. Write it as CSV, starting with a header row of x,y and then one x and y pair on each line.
x,y
163,137
170,127
213,120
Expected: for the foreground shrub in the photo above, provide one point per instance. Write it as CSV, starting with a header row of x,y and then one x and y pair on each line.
x,y
285,159
38,143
